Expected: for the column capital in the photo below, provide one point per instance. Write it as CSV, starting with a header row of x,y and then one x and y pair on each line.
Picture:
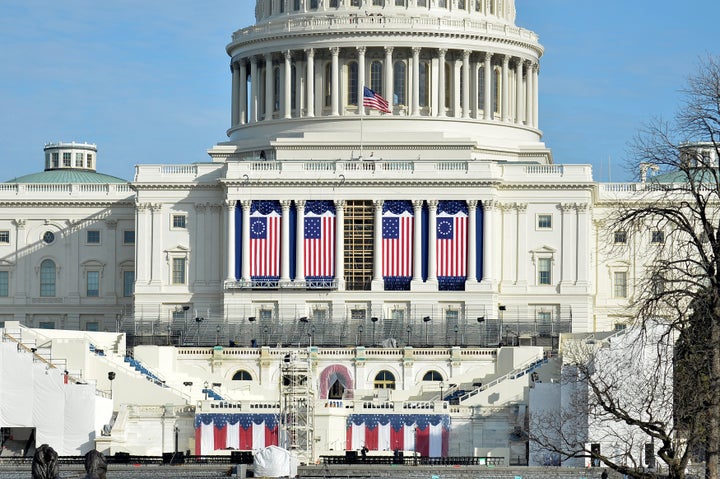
x,y
156,207
141,207
253,60
19,223
200,206
339,204
432,204
287,54
285,204
300,204
361,50
268,57
472,204
416,51
246,204
389,50
521,207
505,60
488,56
417,204
442,52
565,207
334,51
490,205
230,204
310,52
466,54
378,203
581,207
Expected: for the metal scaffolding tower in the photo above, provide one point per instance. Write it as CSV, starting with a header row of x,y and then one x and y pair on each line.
x,y
297,407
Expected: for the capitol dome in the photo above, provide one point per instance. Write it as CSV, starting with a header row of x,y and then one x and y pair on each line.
x,y
459,77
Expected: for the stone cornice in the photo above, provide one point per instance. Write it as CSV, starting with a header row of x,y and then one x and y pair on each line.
x,y
86,203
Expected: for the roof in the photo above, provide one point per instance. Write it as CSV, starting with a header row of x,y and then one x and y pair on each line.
x,y
67,176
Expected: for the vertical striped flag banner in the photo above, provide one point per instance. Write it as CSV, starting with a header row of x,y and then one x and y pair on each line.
x,y
452,239
397,239
319,241
245,432
427,434
265,219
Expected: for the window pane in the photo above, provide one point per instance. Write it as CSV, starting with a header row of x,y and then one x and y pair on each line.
x,y
47,278
4,237
129,237
93,283
544,221
399,83
128,283
4,283
544,276
620,237
178,221
93,237
620,286
178,273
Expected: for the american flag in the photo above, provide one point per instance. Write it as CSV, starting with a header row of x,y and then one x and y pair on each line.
x,y
427,434
320,245
265,245
397,245
451,244
374,100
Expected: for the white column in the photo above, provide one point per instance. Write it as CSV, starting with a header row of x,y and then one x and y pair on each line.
x,y
310,81
488,86
569,238
475,92
287,112
505,107
285,241
432,241
235,113
417,241
143,240
472,242
340,244
361,79
230,240
300,243
583,245
254,86
246,240
466,84
489,208
522,248
157,230
377,282
299,95
441,81
518,91
416,81
335,87
388,93
528,94
269,88
535,95
243,92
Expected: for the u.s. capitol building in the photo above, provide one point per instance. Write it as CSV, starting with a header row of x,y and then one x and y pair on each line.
x,y
396,275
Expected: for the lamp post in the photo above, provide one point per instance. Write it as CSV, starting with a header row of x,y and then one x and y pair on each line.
x,y
374,320
251,320
310,334
456,329
111,377
480,320
198,320
358,338
441,390
217,335
205,389
408,329
427,320
185,309
265,335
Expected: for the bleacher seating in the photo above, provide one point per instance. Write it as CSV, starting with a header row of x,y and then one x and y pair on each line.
x,y
144,371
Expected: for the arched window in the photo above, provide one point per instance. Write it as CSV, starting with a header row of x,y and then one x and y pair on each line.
x,y
448,86
376,77
424,89
481,88
352,83
400,83
496,90
384,380
432,376
328,85
337,390
242,375
47,278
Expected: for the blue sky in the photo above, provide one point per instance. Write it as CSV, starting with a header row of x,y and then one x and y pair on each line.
x,y
149,82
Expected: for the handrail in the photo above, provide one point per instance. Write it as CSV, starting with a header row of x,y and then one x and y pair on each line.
x,y
514,374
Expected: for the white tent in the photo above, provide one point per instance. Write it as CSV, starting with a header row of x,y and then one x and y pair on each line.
x,y
275,461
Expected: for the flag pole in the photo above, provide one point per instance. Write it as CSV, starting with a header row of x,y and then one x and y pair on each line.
x,y
362,114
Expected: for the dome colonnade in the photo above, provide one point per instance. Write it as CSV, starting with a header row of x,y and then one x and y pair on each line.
x,y
471,67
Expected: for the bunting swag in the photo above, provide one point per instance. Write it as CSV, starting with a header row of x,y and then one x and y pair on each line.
x,y
397,244
451,243
319,244
215,432
265,240
428,434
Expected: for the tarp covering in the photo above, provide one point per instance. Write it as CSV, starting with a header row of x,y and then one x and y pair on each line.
x,y
16,386
274,461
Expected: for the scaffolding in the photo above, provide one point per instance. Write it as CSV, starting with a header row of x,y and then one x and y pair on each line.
x,y
297,407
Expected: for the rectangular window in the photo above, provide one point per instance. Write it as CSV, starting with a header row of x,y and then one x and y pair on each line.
x,y
620,237
93,284
47,325
4,284
657,237
89,160
93,237
79,160
178,221
67,158
4,237
55,160
129,237
128,283
178,271
92,326
544,222
266,314
452,315
620,284
319,314
544,271
358,314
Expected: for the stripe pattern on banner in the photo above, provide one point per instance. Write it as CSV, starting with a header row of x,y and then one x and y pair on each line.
x,y
245,432
428,435
451,239
319,241
397,239
265,232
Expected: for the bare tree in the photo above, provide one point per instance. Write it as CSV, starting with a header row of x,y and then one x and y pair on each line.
x,y
675,212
